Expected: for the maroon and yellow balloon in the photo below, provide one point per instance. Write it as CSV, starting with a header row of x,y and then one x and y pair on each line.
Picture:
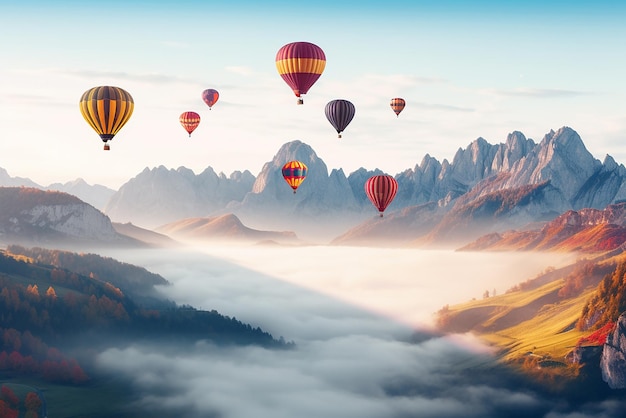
x,y
397,104
300,64
210,97
106,109
294,173
381,190
190,121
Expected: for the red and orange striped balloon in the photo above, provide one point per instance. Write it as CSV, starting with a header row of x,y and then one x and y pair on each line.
x,y
300,64
106,109
190,121
381,190
294,173
397,104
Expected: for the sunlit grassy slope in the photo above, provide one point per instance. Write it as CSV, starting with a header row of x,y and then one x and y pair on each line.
x,y
535,321
526,321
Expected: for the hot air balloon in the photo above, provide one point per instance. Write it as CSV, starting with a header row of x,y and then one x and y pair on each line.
x,y
106,109
381,190
339,113
294,173
190,121
397,104
300,64
210,97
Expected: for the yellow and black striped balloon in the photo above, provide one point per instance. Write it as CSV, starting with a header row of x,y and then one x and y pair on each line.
x,y
106,109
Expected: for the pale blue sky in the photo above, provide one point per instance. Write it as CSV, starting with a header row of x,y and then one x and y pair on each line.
x,y
465,69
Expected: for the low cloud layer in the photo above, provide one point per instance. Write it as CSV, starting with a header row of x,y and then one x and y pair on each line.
x,y
348,362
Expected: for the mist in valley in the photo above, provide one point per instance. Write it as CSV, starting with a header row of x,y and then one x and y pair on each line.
x,y
361,320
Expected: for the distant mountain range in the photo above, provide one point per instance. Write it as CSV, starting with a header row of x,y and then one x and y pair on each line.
x,y
485,189
586,230
491,188
96,195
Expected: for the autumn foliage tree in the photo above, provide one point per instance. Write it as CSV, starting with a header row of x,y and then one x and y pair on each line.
x,y
9,403
33,404
608,302
37,358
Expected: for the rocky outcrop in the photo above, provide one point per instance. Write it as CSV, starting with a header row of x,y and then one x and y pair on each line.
x,y
34,216
584,354
613,360
77,220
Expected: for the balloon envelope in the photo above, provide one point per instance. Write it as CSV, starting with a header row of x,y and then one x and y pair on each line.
x,y
339,113
381,190
294,173
210,97
300,64
106,109
190,121
397,104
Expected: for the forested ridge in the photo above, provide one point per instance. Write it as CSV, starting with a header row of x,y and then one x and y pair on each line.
x,y
46,309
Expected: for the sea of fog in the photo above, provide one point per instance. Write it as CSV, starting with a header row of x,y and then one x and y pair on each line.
x,y
359,319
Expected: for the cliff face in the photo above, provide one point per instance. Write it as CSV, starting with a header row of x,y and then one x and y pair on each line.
x,y
78,220
34,216
613,360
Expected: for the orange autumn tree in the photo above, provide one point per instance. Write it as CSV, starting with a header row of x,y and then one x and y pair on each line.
x,y
51,293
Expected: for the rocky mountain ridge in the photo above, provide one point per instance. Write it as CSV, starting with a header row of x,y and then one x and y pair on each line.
x,y
484,189
506,186
160,195
586,230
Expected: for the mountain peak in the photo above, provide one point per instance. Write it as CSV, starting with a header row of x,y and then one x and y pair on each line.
x,y
566,140
295,150
515,140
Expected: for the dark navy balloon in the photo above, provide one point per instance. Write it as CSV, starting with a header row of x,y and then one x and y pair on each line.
x,y
339,113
